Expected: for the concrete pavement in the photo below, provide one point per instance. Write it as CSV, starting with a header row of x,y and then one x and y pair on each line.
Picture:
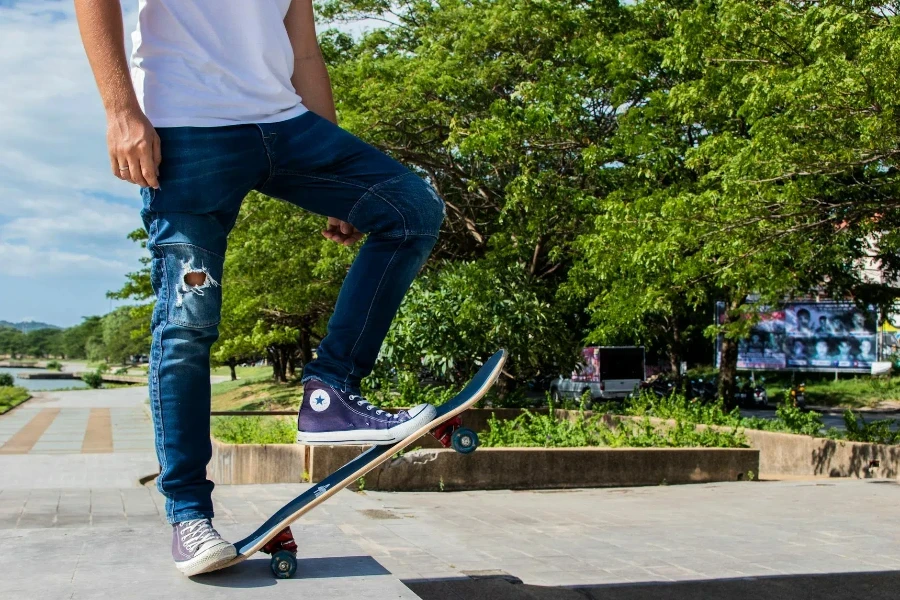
x,y
77,525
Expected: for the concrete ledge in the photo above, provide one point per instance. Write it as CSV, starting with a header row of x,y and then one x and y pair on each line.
x,y
257,463
793,455
543,468
787,454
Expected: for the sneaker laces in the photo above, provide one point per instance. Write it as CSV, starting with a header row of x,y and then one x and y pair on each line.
x,y
196,532
360,401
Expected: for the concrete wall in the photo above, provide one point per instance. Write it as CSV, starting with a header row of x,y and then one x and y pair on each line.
x,y
542,468
791,455
785,454
257,463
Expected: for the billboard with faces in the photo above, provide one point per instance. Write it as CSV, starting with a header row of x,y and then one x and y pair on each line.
x,y
812,336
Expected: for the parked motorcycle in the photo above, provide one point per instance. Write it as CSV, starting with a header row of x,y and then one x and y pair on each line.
x,y
798,395
750,394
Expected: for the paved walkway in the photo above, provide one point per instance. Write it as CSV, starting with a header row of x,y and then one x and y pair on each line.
x,y
81,439
76,524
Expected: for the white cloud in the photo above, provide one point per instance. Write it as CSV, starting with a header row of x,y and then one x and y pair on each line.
x,y
61,210
26,261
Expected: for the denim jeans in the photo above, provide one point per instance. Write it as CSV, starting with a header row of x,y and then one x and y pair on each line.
x,y
205,174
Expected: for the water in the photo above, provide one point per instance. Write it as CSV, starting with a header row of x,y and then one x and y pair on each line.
x,y
41,384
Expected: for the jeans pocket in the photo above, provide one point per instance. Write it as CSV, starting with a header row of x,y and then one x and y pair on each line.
x,y
194,291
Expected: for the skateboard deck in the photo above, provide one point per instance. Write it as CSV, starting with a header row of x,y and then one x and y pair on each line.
x,y
274,536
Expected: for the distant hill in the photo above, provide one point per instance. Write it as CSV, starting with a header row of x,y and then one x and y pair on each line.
x,y
26,326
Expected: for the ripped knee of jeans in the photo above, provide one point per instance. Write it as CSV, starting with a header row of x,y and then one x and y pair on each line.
x,y
194,280
194,291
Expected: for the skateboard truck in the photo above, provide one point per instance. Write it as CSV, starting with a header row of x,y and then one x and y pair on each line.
x,y
451,434
283,550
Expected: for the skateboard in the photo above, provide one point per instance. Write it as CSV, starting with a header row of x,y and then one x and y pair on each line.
x,y
274,537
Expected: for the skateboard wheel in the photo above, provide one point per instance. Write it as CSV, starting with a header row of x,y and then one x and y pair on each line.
x,y
464,440
284,564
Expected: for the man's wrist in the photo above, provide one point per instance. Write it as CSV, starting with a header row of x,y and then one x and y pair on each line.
x,y
123,110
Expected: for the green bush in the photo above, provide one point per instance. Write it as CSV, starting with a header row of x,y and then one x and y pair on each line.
x,y
11,397
54,365
402,391
679,407
121,371
788,418
6,380
254,430
873,432
549,431
93,378
103,368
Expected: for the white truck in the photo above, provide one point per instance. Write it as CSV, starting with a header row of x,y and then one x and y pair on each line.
x,y
606,372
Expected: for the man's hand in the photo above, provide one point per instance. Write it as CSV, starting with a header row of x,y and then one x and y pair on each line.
x,y
134,148
341,232
134,151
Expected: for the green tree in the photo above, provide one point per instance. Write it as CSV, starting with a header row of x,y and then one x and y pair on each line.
x,y
503,106
281,281
759,161
124,335
12,342
77,340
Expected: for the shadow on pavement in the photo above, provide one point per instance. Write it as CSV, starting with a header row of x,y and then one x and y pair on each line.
x,y
833,586
255,572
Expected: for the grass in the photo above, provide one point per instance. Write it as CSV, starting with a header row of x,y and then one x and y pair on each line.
x,y
244,372
849,391
10,397
254,430
256,394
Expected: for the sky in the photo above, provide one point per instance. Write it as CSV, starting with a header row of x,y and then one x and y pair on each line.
x,y
63,217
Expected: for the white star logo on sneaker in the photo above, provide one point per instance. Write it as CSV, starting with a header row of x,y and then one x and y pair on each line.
x,y
320,400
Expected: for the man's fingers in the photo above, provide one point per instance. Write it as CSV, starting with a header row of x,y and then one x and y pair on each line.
x,y
114,165
346,228
134,171
147,175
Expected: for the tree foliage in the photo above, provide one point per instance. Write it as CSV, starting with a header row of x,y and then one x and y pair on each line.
x,y
611,170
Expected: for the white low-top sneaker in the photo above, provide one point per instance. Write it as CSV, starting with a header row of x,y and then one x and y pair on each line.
x,y
197,547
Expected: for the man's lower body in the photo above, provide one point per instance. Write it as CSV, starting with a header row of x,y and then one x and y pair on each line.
x,y
204,176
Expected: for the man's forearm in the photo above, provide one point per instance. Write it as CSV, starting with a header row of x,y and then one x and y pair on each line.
x,y
100,23
310,77
312,83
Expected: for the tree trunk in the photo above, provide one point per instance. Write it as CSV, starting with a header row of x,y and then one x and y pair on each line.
x,y
674,351
728,358
305,347
231,364
291,364
277,367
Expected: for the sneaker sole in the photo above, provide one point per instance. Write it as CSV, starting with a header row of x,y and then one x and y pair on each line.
x,y
373,436
212,559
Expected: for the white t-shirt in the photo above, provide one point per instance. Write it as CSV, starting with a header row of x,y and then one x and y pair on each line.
x,y
206,63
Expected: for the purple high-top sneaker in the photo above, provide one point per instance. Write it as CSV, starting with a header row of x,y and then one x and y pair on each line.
x,y
329,416
197,547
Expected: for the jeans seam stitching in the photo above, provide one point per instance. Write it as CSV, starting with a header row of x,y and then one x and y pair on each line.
x,y
387,181
369,312
170,512
388,202
167,244
268,157
333,179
